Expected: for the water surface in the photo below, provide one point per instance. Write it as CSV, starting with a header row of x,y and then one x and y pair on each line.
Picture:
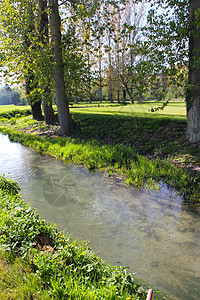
x,y
155,234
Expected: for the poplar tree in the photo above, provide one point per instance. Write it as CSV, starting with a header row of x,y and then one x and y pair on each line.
x,y
58,70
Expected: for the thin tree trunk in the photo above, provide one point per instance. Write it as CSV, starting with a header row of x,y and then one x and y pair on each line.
x,y
90,98
118,98
124,95
44,37
110,71
88,76
30,85
193,91
76,97
127,89
100,72
61,99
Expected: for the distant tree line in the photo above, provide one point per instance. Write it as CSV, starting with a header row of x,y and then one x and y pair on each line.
x,y
10,96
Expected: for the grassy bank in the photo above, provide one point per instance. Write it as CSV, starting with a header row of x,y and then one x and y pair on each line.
x,y
142,148
7,114
38,262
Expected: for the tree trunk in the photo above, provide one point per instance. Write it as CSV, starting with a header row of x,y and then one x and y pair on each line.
x,y
118,96
193,91
126,88
124,95
48,108
110,71
33,100
61,99
44,38
30,85
36,110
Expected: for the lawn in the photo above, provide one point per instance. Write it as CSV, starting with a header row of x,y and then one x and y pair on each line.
x,y
6,108
174,110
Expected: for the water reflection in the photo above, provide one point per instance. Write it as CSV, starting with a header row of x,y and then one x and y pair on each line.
x,y
155,234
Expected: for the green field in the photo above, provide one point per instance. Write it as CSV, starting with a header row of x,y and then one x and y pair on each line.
x,y
142,146
6,108
175,109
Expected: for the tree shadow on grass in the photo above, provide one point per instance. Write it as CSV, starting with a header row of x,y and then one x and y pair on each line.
x,y
158,136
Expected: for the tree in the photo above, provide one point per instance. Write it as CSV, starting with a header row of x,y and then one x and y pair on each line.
x,y
124,58
58,71
193,90
17,32
173,44
44,39
29,74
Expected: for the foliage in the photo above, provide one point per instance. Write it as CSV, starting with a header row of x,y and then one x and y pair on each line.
x,y
68,269
100,46
24,53
9,186
166,40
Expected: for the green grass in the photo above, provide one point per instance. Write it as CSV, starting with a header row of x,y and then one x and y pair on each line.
x,y
6,108
38,262
17,281
174,110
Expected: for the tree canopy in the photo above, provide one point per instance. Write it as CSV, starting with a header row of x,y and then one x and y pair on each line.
x,y
101,49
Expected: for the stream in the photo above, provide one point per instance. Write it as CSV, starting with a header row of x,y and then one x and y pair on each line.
x,y
155,234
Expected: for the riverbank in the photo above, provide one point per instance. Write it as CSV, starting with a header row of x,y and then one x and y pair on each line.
x,y
141,150
44,264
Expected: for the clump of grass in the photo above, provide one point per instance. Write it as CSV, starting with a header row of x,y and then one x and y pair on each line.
x,y
17,281
13,121
9,186
60,267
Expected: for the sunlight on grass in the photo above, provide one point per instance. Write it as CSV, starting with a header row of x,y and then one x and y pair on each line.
x,y
175,110
6,108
